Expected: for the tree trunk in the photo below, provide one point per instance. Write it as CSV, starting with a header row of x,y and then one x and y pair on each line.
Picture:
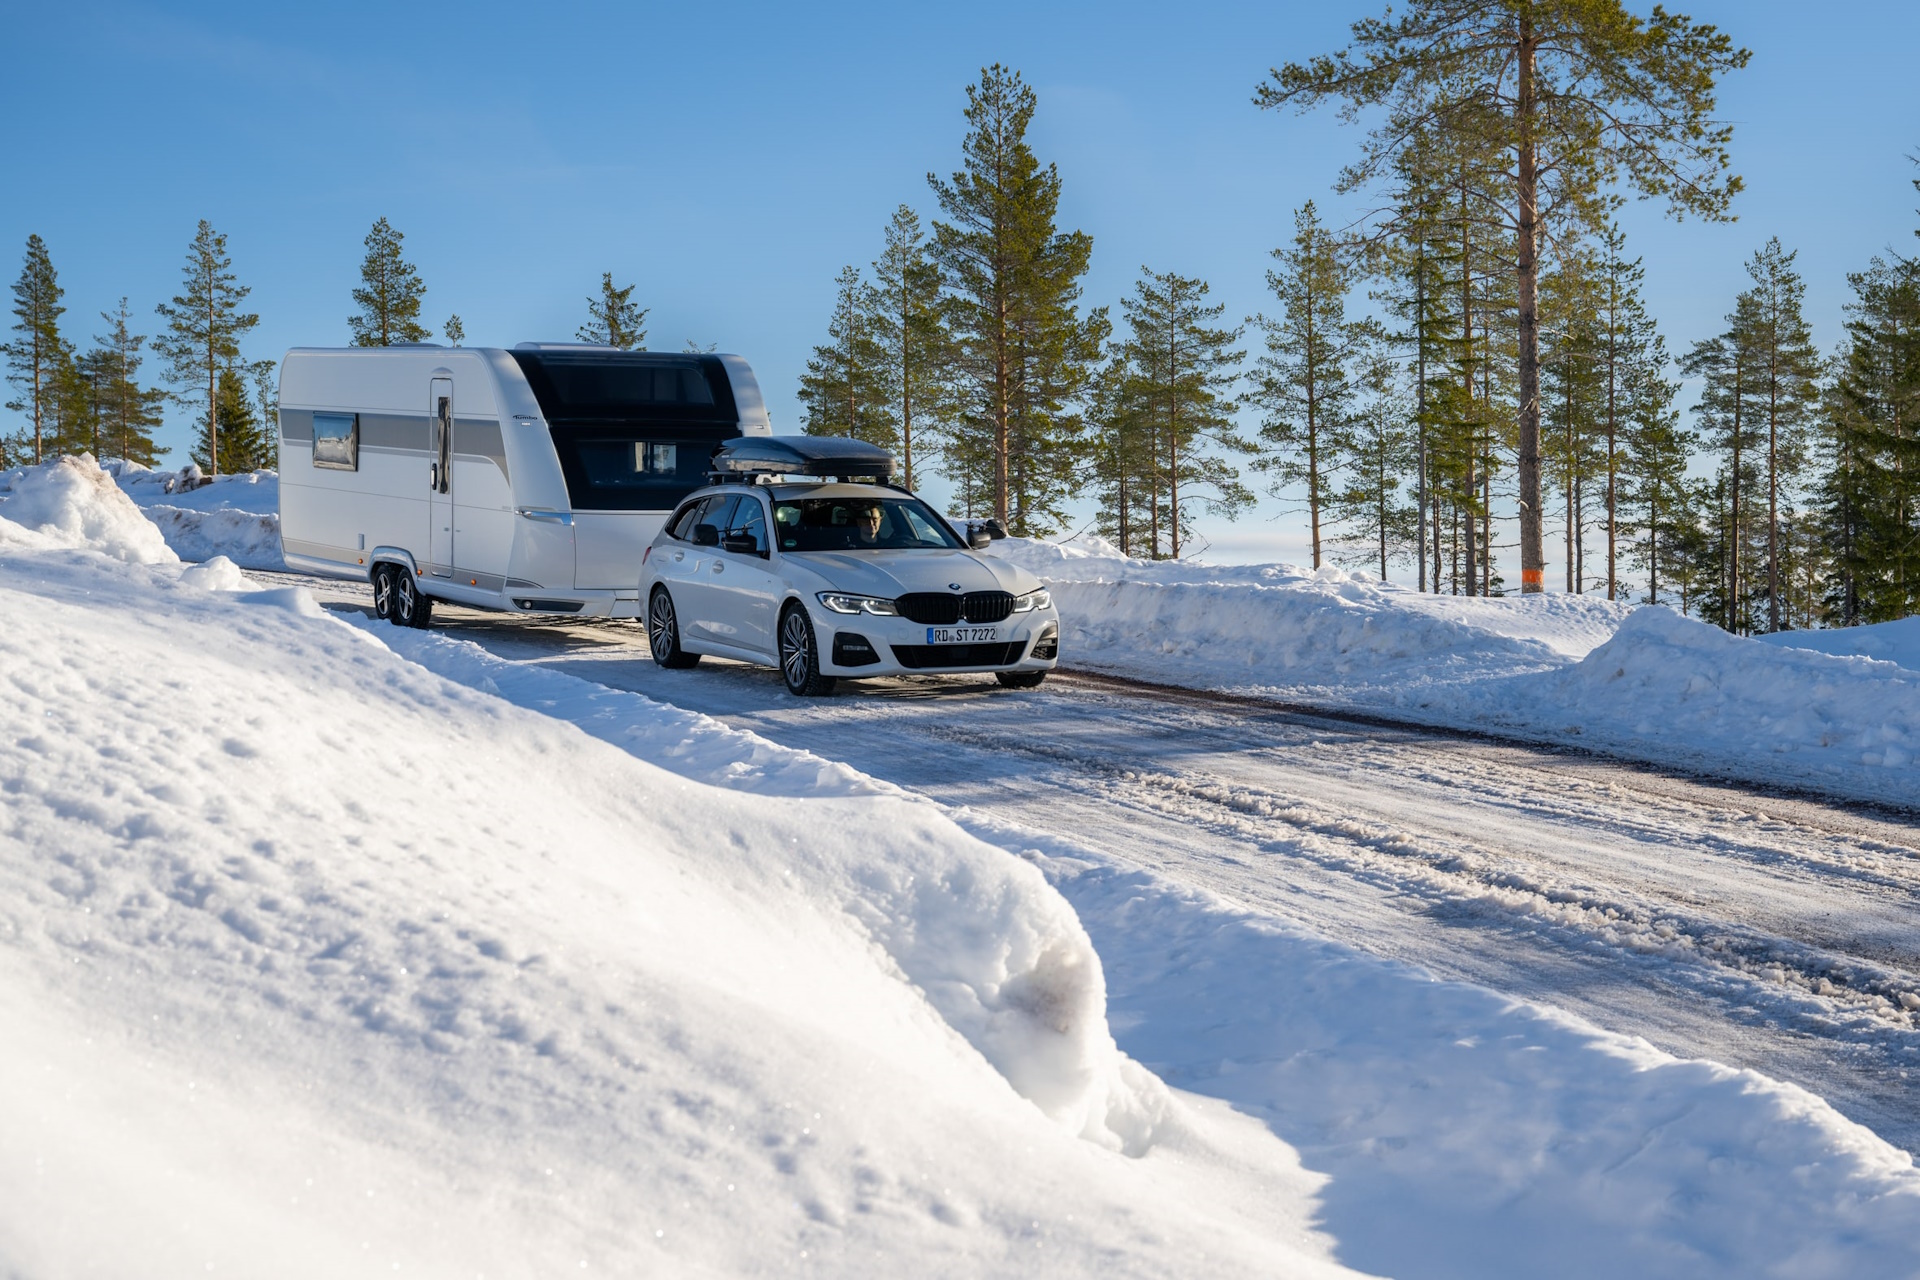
x,y
1420,408
1532,552
1735,614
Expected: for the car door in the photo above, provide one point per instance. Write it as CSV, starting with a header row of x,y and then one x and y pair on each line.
x,y
695,583
747,591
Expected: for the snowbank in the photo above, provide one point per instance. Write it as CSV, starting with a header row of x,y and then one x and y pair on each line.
x,y
1644,683
314,962
1895,642
71,502
199,517
1466,1134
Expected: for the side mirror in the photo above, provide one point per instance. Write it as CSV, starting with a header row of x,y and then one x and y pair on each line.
x,y
995,529
978,538
706,535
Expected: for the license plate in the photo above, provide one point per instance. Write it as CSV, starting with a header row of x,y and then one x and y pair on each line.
x,y
962,635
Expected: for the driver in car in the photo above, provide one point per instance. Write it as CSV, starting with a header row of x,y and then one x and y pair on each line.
x,y
866,525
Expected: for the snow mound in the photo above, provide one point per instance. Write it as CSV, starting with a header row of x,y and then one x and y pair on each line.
x,y
312,956
1695,692
1897,642
1328,633
999,954
250,539
71,502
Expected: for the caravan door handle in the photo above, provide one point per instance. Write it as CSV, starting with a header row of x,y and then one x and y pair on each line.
x,y
433,476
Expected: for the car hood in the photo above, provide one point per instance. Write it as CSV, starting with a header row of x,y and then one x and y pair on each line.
x,y
895,573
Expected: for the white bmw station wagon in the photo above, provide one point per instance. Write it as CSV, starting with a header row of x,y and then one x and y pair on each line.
x,y
802,555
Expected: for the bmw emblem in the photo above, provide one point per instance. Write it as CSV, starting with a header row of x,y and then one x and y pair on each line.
x,y
953,586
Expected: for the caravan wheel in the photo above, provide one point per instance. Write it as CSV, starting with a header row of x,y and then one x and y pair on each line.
x,y
410,607
383,575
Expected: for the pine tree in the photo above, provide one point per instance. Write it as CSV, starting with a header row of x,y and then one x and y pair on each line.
x,y
1726,365
1579,94
1181,370
128,412
36,358
614,319
1122,457
1022,353
1654,501
1786,391
456,331
1302,381
1378,522
910,337
204,328
1571,352
389,295
844,387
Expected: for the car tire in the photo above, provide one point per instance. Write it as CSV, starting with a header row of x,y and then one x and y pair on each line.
x,y
1020,679
663,633
800,656
411,606
383,592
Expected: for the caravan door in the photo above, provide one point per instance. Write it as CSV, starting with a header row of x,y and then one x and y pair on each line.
x,y
440,500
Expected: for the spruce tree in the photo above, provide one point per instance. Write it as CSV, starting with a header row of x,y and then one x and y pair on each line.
x,y
204,328
389,295
614,319
1303,379
910,339
844,387
1181,368
1870,495
1022,353
456,331
237,442
36,357
1579,94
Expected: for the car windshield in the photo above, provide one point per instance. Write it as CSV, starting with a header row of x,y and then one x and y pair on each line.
x,y
859,524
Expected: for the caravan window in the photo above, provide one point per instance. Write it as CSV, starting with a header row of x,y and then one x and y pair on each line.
x,y
630,386
336,441
611,469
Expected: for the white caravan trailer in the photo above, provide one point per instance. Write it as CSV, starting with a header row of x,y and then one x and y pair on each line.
x,y
529,479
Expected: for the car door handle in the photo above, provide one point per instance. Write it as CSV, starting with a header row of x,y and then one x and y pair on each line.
x,y
718,567
678,556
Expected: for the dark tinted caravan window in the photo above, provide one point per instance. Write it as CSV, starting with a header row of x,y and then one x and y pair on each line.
x,y
628,385
615,468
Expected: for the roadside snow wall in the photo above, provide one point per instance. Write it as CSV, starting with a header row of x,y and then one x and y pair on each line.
x,y
313,962
1642,683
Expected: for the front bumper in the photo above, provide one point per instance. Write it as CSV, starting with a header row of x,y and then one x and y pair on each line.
x,y
869,645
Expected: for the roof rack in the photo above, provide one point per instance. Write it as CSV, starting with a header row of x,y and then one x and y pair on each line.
x,y
748,458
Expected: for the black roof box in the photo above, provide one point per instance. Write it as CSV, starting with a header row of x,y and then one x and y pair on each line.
x,y
827,456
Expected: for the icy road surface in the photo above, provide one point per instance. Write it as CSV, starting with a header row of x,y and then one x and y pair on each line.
x,y
1763,931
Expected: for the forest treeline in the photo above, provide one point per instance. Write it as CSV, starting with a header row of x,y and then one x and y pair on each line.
x,y
1412,365
99,401
1477,343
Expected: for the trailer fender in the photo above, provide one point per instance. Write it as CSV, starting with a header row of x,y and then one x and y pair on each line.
x,y
392,555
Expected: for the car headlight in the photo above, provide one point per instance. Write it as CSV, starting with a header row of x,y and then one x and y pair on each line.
x,y
1041,599
842,602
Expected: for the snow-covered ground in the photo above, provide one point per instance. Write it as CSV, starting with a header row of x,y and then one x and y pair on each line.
x,y
236,516
329,948
1645,683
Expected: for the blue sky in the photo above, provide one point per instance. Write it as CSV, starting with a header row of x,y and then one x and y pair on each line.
x,y
731,160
